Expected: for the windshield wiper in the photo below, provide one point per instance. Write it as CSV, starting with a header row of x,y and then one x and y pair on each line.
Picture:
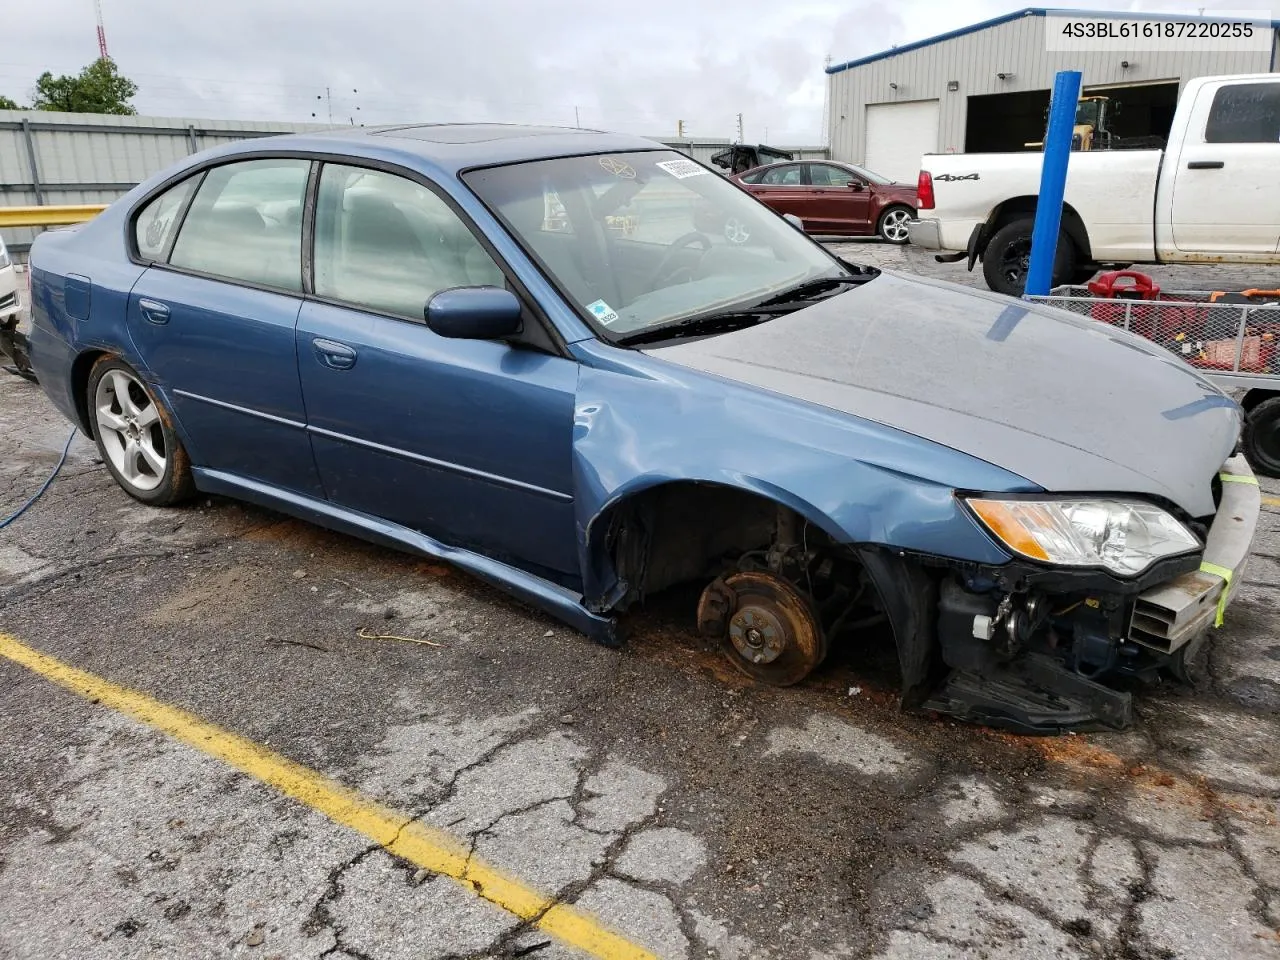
x,y
797,298
706,323
809,288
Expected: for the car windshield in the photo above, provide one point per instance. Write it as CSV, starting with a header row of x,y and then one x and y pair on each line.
x,y
641,240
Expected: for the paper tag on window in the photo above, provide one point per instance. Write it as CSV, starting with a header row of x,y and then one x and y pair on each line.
x,y
602,312
682,168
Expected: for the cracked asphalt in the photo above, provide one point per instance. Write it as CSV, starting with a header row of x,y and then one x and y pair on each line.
x,y
652,787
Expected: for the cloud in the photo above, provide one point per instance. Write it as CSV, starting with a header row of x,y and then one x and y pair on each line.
x,y
637,68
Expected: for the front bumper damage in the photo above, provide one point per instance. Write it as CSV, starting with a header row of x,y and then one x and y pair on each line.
x,y
1044,650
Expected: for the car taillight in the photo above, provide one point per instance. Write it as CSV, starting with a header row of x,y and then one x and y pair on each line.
x,y
924,191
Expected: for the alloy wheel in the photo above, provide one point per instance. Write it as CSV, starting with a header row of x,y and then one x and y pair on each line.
x,y
895,225
132,434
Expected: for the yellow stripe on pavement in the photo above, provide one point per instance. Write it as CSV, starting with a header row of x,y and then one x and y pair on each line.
x,y
395,831
1271,501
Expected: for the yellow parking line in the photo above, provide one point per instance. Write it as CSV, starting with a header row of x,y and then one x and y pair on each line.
x,y
426,847
1271,501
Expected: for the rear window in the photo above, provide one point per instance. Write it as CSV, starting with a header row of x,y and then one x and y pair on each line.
x,y
158,219
1245,113
246,224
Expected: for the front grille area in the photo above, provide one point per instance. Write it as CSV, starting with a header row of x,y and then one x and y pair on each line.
x,y
8,300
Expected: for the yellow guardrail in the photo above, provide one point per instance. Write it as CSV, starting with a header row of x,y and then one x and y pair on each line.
x,y
49,216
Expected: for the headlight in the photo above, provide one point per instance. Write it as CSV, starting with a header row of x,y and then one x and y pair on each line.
x,y
4,255
1124,536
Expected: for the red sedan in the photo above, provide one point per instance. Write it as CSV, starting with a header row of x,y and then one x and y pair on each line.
x,y
835,199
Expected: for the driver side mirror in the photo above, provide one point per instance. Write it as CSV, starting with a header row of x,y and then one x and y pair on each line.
x,y
795,221
855,184
474,313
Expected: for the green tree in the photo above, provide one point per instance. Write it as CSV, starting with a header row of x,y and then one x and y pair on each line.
x,y
7,104
98,89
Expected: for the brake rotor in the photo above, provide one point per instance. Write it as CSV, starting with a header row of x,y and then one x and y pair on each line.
x,y
766,627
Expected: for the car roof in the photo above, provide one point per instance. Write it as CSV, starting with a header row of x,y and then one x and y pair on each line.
x,y
452,147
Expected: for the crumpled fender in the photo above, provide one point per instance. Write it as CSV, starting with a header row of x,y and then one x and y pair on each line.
x,y
641,422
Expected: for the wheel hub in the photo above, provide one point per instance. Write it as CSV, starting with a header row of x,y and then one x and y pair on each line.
x,y
766,626
756,634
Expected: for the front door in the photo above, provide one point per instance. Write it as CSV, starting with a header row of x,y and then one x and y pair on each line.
x,y
213,320
840,202
1225,197
467,441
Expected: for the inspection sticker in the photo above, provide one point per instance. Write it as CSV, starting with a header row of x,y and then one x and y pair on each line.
x,y
680,169
602,312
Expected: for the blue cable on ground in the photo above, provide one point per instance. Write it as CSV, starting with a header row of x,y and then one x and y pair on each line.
x,y
40,493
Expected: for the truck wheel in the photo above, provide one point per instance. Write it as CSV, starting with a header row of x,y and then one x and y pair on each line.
x,y
892,225
1262,437
1008,256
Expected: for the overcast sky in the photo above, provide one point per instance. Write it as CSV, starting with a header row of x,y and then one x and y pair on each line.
x,y
634,67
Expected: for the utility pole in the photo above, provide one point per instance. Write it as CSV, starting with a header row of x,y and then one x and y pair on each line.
x,y
826,102
679,129
328,98
739,128
576,121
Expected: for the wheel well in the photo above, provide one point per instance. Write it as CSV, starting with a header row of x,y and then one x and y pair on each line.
x,y
80,371
1257,396
682,531
1017,207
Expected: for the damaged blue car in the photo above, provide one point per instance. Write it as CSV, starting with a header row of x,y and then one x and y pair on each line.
x,y
516,349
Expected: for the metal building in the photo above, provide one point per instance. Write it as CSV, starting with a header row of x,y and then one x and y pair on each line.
x,y
985,88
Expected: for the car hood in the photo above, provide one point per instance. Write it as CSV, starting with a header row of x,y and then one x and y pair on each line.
x,y
1071,404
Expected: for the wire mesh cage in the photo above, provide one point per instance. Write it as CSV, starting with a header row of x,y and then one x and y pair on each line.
x,y
1214,331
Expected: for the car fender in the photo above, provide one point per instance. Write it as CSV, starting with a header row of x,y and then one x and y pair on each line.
x,y
647,423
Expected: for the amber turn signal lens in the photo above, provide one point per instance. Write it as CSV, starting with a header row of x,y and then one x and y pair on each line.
x,y
1002,522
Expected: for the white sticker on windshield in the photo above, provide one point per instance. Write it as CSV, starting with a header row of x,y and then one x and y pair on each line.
x,y
602,312
682,168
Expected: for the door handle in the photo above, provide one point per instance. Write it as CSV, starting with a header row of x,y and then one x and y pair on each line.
x,y
1205,165
334,355
154,310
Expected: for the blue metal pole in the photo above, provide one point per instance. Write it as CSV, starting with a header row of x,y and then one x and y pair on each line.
x,y
1053,181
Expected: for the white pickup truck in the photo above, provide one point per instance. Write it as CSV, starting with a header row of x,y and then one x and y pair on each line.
x,y
1211,196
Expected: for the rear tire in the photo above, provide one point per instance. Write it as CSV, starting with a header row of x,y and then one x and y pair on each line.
x,y
135,436
1008,255
1262,437
892,225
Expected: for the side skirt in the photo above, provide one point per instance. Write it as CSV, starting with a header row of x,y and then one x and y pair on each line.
x,y
543,594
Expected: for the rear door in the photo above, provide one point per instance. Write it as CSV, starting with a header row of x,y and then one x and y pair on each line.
x,y
213,316
1226,189
839,200
783,188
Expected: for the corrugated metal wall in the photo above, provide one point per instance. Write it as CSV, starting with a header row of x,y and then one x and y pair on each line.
x,y
975,59
92,158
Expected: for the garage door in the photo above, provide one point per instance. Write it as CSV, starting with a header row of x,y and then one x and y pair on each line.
x,y
898,134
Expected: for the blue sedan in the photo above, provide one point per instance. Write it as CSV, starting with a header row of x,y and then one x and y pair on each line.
x,y
517,349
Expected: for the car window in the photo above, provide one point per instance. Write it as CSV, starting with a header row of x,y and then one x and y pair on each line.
x,y
1245,113
781,176
826,175
246,224
155,224
753,177
388,244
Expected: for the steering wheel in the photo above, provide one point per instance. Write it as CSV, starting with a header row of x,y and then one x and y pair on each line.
x,y
664,271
